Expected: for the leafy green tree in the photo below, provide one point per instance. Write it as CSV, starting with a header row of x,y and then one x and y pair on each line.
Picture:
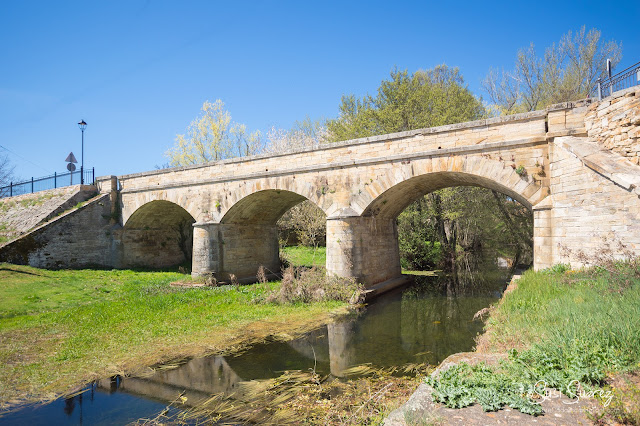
x,y
418,241
213,136
405,102
460,227
448,228
567,71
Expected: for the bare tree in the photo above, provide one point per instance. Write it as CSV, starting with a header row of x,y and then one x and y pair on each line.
x,y
306,134
308,222
567,72
6,173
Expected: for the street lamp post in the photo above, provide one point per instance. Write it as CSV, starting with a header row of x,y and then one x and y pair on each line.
x,y
82,125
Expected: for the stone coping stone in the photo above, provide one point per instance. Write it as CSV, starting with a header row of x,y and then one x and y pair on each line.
x,y
609,164
362,141
433,153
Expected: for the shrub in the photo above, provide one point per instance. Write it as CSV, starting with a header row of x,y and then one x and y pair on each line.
x,y
314,285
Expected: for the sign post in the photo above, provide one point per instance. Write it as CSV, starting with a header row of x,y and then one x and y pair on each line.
x,y
71,167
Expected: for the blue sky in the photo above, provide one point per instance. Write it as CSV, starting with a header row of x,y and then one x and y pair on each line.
x,y
138,71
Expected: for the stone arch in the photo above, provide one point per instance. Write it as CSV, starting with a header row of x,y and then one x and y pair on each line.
x,y
157,214
246,236
135,203
393,191
263,207
266,200
364,244
158,234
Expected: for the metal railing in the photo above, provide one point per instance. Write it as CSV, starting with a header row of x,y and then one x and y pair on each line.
x,y
56,180
623,80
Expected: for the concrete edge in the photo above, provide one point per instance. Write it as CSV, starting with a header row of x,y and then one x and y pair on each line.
x,y
385,286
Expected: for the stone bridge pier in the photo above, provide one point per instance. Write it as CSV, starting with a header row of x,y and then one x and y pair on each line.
x,y
223,249
364,248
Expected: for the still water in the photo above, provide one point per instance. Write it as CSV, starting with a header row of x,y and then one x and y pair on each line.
x,y
416,324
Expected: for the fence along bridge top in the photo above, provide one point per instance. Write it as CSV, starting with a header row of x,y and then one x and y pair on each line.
x,y
57,180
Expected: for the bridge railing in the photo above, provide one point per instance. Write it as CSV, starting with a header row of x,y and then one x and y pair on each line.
x,y
623,80
56,180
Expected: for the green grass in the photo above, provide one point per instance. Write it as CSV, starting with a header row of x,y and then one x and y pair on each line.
x,y
59,329
557,326
567,306
305,256
308,256
422,273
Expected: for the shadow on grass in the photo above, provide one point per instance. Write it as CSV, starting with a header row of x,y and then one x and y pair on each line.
x,y
17,271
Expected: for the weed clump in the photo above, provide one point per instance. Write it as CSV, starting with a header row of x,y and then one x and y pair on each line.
x,y
314,285
625,404
463,385
613,258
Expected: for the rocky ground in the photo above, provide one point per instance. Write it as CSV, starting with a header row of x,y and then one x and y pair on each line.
x,y
421,410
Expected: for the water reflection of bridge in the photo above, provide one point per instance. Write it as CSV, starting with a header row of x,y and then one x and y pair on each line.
x,y
401,328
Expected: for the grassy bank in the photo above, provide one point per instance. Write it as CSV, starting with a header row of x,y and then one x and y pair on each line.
x,y
560,328
59,329
305,256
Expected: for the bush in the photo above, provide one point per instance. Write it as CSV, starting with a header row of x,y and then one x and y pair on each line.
x,y
314,285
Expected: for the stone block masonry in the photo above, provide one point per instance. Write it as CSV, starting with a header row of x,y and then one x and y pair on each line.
x,y
615,123
573,165
79,238
22,213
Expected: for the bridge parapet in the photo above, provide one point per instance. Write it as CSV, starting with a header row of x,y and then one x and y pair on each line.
x,y
520,127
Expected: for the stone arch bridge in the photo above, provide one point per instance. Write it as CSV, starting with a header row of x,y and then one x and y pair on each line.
x,y
571,165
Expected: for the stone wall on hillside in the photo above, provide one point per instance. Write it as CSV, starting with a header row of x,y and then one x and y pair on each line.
x,y
22,213
91,236
615,123
76,239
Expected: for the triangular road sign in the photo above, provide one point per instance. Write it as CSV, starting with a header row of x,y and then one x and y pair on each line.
x,y
71,158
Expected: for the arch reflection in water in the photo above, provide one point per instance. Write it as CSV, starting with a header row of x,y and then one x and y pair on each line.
x,y
413,325
198,378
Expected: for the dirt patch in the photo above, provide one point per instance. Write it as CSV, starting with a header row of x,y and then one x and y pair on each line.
x,y
624,405
191,284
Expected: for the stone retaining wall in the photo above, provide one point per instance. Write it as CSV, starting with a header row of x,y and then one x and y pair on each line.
x,y
78,238
615,123
22,213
